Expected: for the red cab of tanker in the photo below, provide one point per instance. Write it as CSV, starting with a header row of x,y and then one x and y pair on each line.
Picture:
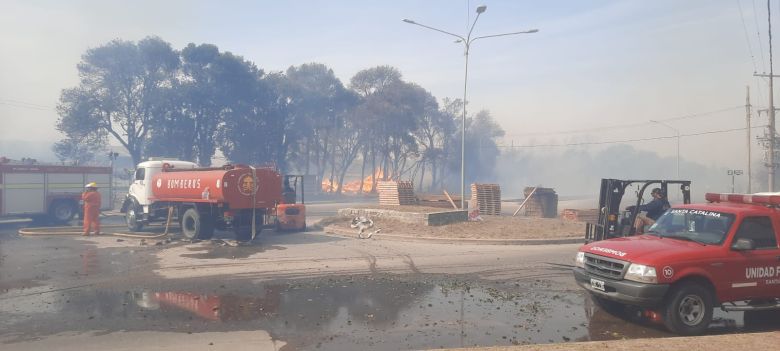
x,y
694,258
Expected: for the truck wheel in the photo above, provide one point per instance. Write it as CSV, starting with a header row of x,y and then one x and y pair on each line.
x,y
132,217
195,226
689,309
62,211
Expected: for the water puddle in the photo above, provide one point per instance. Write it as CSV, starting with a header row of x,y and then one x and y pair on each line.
x,y
220,249
349,313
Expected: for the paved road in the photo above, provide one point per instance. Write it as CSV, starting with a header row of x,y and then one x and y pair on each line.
x,y
301,291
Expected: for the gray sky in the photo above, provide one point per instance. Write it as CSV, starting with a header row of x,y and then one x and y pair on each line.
x,y
593,64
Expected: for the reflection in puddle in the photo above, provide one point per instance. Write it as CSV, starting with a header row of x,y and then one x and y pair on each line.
x,y
217,249
353,313
380,314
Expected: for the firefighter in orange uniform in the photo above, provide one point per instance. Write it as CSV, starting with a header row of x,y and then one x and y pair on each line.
x,y
91,199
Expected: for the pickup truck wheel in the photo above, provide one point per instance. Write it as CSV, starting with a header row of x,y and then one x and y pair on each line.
x,y
62,211
132,217
195,226
689,309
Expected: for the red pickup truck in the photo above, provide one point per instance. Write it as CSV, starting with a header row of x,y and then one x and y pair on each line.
x,y
693,259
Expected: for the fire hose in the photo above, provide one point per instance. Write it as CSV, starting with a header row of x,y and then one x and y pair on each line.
x,y
43,231
68,230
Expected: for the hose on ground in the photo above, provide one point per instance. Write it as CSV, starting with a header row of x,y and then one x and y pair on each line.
x,y
44,231
69,229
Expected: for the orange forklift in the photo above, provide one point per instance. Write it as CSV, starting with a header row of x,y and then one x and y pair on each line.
x,y
290,212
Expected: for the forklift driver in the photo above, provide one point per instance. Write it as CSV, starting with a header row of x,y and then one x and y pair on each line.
x,y
288,193
654,209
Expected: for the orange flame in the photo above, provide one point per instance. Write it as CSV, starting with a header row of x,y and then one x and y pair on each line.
x,y
353,187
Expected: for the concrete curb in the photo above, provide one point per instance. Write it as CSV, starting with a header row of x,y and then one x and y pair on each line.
x,y
340,232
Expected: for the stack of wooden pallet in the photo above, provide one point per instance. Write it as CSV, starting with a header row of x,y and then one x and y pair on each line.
x,y
487,197
435,200
543,203
396,193
589,215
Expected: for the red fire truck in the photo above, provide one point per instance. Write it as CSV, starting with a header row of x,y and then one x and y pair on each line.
x,y
693,259
51,191
236,197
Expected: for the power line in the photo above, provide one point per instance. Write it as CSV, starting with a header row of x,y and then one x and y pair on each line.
x,y
627,140
20,104
747,37
25,103
758,33
631,125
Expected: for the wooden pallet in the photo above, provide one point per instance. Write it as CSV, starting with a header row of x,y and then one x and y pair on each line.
x,y
543,203
487,197
396,193
590,215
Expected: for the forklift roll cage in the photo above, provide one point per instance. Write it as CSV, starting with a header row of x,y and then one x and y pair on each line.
x,y
610,224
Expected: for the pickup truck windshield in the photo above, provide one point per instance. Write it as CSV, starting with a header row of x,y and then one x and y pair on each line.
x,y
706,227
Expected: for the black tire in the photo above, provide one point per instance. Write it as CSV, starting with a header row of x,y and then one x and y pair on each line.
x,y
62,211
133,216
688,309
196,226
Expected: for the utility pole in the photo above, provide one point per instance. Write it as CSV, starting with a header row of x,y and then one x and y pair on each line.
x,y
771,105
771,137
747,120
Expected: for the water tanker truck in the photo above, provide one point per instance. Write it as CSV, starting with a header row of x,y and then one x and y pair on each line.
x,y
232,197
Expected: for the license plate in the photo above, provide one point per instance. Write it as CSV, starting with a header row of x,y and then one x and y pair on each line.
x,y
597,284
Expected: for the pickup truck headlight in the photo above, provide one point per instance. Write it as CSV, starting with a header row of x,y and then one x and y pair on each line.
x,y
579,260
641,273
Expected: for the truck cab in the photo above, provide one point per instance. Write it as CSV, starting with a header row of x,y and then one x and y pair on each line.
x,y
695,258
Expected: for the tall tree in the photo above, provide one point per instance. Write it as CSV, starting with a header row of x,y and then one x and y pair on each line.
x,y
174,129
435,128
210,89
254,126
118,93
316,98
367,84
77,151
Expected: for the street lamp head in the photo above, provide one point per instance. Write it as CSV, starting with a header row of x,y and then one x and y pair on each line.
x,y
409,21
481,9
533,31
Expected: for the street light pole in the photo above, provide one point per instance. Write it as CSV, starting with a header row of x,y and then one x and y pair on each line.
x,y
677,133
467,41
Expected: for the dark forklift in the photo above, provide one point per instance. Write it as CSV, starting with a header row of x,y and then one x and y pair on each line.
x,y
291,211
615,222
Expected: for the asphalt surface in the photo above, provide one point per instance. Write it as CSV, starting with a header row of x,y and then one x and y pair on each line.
x,y
300,291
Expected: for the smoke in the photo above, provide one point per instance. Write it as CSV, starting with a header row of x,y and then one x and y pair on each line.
x,y
576,172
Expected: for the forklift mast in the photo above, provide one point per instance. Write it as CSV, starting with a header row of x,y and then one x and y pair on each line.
x,y
610,223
